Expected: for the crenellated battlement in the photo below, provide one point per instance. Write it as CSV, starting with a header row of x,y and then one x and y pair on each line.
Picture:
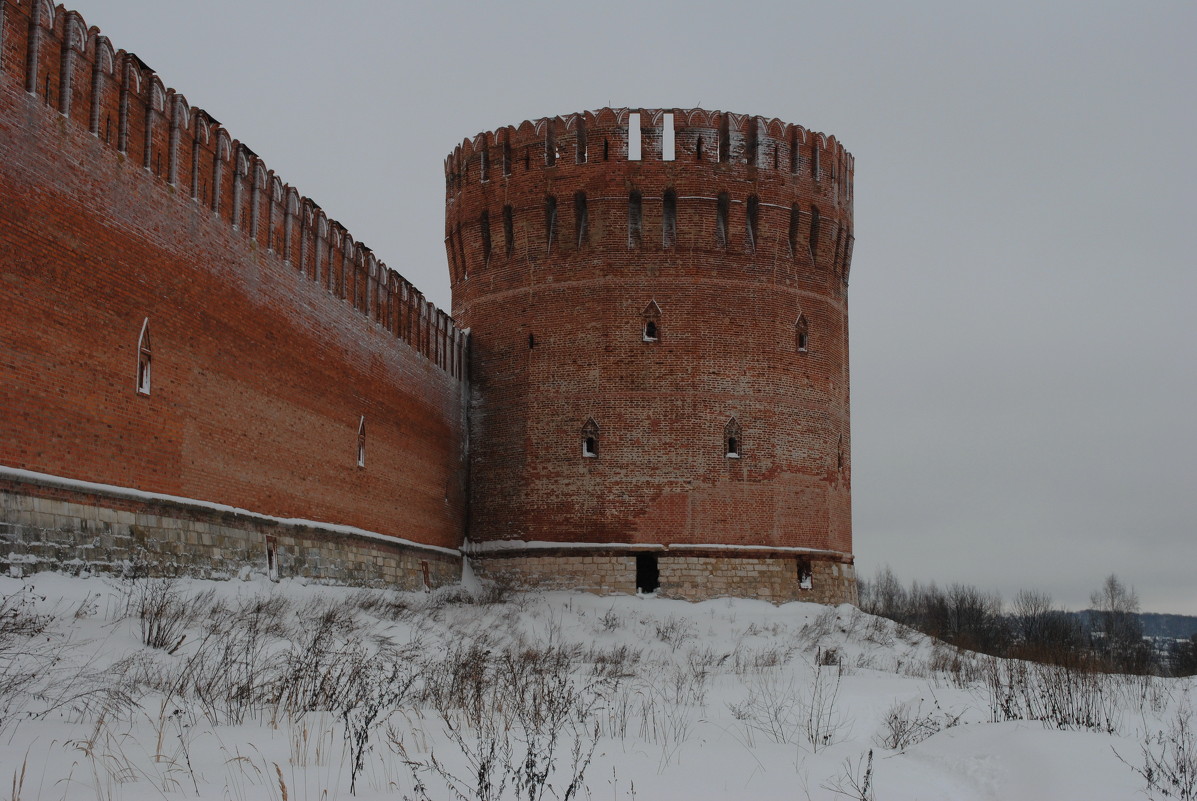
x,y
653,180
73,69
612,135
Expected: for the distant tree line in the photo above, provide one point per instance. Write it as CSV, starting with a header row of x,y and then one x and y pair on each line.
x,y
1108,637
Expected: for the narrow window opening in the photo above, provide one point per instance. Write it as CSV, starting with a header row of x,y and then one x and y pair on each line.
x,y
508,230
794,151
648,573
581,218
668,138
732,439
839,453
580,143
815,169
590,439
724,139
144,357
669,219
527,159
484,166
550,146
361,442
804,573
651,331
506,157
802,335
814,231
484,226
634,136
722,208
635,219
550,221
793,232
698,148
776,155
752,218
531,341
606,149
753,146
271,559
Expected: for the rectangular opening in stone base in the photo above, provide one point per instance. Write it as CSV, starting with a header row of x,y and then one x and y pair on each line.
x,y
781,578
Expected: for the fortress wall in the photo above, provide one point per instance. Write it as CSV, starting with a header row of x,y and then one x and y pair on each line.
x,y
272,333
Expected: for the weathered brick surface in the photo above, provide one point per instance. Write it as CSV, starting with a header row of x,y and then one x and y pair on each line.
x,y
557,312
273,333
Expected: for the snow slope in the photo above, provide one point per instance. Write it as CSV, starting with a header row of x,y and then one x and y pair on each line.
x,y
293,691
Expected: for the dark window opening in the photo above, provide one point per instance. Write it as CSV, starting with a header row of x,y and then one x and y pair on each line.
x,y
802,336
648,574
650,331
839,453
590,433
698,148
722,208
531,341
361,442
506,157
724,139
815,169
753,145
731,439
527,158
635,219
794,152
550,146
581,218
484,166
752,218
606,149
484,225
580,143
669,219
144,359
804,573
508,230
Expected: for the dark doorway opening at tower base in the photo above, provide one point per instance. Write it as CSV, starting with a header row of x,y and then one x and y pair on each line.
x,y
648,577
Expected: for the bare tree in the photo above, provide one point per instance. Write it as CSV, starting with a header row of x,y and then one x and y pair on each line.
x,y
1118,633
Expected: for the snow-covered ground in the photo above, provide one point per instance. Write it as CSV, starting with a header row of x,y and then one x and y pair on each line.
x,y
291,691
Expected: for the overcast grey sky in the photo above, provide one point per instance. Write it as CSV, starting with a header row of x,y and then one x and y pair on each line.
x,y
1023,283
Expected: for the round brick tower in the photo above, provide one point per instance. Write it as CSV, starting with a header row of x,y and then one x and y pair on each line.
x,y
657,307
